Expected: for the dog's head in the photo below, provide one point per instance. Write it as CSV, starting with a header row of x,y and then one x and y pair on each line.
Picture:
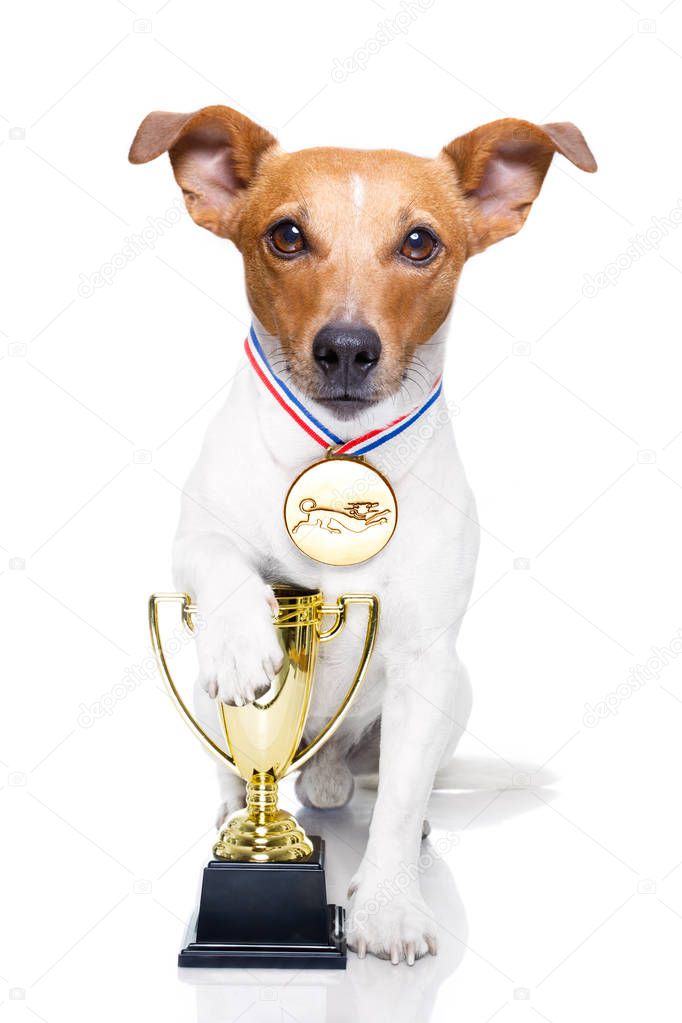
x,y
351,256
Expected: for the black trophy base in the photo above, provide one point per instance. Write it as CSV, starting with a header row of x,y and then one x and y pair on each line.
x,y
267,915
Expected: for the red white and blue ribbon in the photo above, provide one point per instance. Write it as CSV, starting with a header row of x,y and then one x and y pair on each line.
x,y
312,425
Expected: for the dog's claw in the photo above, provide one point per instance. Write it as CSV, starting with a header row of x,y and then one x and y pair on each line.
x,y
352,888
432,944
213,688
395,954
362,948
410,953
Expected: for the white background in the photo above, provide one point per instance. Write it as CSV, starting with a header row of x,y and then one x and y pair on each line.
x,y
558,900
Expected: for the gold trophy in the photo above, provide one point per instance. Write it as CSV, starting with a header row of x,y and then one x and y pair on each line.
x,y
263,900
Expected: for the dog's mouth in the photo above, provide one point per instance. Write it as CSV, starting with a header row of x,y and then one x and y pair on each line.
x,y
345,406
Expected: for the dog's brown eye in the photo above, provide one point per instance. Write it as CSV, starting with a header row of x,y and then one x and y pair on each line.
x,y
418,245
287,238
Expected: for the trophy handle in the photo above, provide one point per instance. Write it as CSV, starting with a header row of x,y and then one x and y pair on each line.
x,y
187,609
339,610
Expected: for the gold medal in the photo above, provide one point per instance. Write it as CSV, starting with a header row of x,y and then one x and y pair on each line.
x,y
340,511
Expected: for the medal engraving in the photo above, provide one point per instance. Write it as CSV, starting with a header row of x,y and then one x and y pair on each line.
x,y
340,511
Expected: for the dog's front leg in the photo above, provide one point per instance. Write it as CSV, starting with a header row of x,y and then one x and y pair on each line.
x,y
239,654
387,914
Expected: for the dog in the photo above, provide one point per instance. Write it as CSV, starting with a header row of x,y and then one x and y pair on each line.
x,y
351,263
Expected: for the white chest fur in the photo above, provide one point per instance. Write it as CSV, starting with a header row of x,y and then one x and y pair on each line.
x,y
423,577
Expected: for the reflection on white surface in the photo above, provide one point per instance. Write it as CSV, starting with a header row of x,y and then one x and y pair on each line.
x,y
370,988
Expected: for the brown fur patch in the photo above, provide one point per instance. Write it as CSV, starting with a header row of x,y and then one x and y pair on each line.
x,y
352,272
355,208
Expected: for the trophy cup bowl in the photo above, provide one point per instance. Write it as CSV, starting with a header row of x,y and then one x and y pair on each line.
x,y
264,742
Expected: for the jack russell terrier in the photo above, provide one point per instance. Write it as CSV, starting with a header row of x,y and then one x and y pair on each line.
x,y
351,261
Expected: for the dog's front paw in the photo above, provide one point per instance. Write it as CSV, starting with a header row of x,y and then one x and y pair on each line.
x,y
391,925
239,654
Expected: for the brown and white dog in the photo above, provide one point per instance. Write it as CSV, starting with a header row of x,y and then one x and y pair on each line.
x,y
351,261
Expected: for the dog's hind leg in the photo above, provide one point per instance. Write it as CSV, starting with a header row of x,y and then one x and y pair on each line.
x,y
326,781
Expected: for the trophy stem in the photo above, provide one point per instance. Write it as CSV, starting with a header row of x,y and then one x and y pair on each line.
x,y
261,798
262,833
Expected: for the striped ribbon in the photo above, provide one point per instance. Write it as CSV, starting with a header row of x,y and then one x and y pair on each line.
x,y
312,426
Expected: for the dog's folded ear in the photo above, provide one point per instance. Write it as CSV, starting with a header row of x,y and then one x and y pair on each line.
x,y
501,167
215,154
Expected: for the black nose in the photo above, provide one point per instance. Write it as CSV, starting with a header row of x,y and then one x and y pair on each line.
x,y
347,354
